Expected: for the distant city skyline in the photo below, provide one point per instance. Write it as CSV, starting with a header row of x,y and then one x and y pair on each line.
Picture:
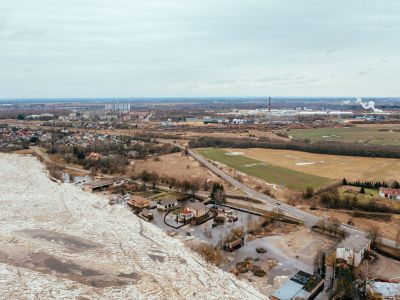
x,y
173,48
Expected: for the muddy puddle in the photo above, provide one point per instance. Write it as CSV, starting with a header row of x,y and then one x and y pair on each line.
x,y
67,269
70,242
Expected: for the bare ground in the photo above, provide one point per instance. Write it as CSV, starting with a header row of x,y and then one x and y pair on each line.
x,y
389,228
175,165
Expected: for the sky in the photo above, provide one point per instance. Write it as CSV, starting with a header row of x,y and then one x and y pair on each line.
x,y
178,48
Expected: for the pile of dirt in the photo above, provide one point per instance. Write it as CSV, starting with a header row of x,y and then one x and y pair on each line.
x,y
248,265
270,229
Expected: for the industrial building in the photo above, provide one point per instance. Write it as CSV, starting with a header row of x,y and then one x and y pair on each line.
x,y
301,286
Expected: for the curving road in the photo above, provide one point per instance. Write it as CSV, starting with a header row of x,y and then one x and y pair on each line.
x,y
272,203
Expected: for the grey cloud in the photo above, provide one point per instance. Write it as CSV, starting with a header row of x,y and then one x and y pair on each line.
x,y
104,48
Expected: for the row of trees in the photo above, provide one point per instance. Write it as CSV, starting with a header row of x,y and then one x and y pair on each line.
x,y
372,184
186,186
331,226
337,148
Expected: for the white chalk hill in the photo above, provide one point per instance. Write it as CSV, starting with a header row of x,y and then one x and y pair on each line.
x,y
59,242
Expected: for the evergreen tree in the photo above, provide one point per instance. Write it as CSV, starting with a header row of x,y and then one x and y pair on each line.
x,y
323,265
217,194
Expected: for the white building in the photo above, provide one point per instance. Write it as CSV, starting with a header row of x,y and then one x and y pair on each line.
x,y
239,121
384,290
389,193
108,117
117,106
167,204
298,287
352,249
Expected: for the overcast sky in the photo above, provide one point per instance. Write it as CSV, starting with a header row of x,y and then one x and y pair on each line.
x,y
135,48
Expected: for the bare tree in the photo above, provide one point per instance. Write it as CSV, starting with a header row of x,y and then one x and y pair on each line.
x,y
317,261
374,233
154,179
194,187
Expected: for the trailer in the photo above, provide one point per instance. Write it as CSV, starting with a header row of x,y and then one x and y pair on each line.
x,y
233,245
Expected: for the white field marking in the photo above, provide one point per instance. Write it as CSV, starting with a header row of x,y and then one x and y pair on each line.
x,y
309,163
234,153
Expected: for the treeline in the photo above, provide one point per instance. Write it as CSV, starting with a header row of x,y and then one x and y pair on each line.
x,y
113,148
336,148
372,184
186,185
112,164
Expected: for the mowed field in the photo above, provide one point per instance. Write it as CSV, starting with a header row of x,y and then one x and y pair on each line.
x,y
373,134
268,172
328,166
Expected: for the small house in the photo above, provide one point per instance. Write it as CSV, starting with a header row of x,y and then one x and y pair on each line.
x,y
193,210
147,214
167,204
185,215
139,202
198,209
352,249
98,185
232,245
393,194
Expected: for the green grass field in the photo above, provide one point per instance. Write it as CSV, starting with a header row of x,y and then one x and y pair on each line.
x,y
272,174
374,135
370,194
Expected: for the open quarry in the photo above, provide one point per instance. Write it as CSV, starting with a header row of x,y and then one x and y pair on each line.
x,y
57,241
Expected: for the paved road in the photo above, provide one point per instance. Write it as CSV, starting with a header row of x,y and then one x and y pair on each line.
x,y
308,218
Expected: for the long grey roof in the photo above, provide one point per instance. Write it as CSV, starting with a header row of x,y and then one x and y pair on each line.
x,y
197,205
356,242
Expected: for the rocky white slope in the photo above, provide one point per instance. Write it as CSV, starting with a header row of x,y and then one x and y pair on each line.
x,y
57,241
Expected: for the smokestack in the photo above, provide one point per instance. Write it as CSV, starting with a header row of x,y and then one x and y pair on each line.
x,y
269,104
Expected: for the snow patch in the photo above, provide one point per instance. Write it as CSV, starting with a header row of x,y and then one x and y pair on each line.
x,y
309,163
234,153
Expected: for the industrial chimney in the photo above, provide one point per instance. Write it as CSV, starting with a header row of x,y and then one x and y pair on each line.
x,y
269,104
